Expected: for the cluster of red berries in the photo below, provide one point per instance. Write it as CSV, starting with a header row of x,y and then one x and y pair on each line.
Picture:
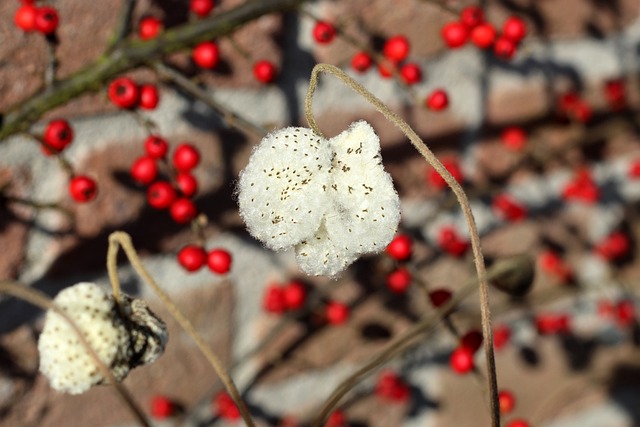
x,y
400,249
127,94
43,19
461,359
472,26
279,299
572,106
437,181
451,242
552,323
508,209
622,311
225,408
391,388
150,27
193,257
582,188
553,264
615,246
58,134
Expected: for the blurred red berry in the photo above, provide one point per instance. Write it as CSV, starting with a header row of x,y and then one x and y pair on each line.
x,y
386,68
149,27
192,257
201,8
324,32
455,34
472,16
518,423
361,62
337,313
160,195
400,247
437,100
437,181
391,388
501,336
162,407
265,71
553,264
615,246
225,407
25,17
46,20
514,29
83,189
472,340
439,297
149,97
451,242
582,188
274,299
508,209
625,312
187,184
483,35
461,360
144,170
411,73
156,146
396,48
336,419
124,92
399,280
186,157
552,323
615,93
183,210
513,138
295,295
58,134
507,401
219,261
504,48
206,55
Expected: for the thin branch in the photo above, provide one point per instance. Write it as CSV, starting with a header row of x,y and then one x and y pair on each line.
x,y
124,24
230,118
121,239
462,200
132,54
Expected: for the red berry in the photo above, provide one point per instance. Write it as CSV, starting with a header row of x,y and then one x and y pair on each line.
x,y
274,300
337,313
625,312
504,48
295,295
399,280
58,134
160,195
206,55
162,407
192,257
396,48
225,407
614,91
324,32
149,27
201,8
501,336
391,387
336,419
400,247
264,71
582,188
439,297
633,171
219,261
552,323
514,29
507,208
25,17
551,263
149,97
461,360
411,73
437,100
450,242
472,16
186,157
471,340
450,164
507,401
454,34
124,92
82,189
386,68
156,146
514,138
187,184
144,170
518,423
615,246
361,62
183,210
46,20
483,35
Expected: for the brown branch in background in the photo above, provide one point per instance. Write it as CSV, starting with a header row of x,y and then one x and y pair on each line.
x,y
230,118
134,53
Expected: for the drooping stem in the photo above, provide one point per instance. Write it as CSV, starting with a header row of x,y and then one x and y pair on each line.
x,y
457,190
121,239
41,300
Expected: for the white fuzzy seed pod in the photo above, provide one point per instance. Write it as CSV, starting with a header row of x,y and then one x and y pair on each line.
x,y
122,340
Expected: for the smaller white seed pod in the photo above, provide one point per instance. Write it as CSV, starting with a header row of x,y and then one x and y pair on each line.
x,y
123,337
